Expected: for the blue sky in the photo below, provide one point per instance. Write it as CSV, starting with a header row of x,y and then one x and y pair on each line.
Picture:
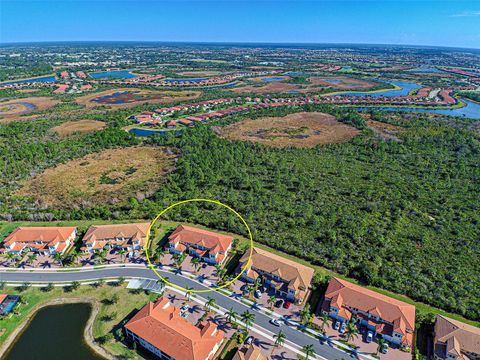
x,y
447,23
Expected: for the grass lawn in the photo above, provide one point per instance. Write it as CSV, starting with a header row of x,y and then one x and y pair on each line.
x,y
107,320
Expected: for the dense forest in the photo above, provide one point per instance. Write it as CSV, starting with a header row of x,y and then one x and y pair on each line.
x,y
403,216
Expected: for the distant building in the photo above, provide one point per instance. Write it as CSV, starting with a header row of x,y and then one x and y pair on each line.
x,y
159,328
392,319
41,240
129,237
288,278
207,245
456,340
250,352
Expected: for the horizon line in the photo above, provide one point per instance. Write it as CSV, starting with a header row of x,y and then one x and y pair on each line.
x,y
10,43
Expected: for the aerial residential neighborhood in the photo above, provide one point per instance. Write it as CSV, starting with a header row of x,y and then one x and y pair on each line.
x,y
239,180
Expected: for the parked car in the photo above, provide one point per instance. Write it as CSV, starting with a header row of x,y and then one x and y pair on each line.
x,y
384,349
249,340
275,322
184,308
258,294
336,325
343,328
369,337
279,303
287,304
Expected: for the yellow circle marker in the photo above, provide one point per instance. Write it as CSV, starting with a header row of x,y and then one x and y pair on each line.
x,y
193,290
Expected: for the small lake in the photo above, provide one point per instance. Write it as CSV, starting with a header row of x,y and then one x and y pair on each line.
x,y
146,132
268,79
116,74
406,87
471,110
56,332
426,70
26,81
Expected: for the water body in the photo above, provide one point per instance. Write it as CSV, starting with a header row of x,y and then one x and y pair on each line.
x,y
56,332
40,79
146,132
471,110
268,79
406,87
426,70
117,74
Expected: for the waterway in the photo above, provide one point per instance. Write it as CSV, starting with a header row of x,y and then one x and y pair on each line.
x,y
116,74
405,88
56,332
24,81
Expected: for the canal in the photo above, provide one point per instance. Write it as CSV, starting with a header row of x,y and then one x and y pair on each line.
x,y
56,332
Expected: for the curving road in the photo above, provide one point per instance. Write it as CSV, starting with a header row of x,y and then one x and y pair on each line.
x,y
222,300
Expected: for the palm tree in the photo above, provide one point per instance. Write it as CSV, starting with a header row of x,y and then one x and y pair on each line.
x,y
308,350
351,331
279,338
196,263
75,285
324,319
231,315
209,304
122,253
160,253
381,345
305,314
10,256
248,318
102,255
58,257
31,258
271,300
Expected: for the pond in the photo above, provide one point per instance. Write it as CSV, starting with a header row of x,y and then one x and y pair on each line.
x,y
116,74
405,88
56,332
471,110
25,81
268,79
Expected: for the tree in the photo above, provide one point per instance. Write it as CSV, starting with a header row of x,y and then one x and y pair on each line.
x,y
247,318
209,304
305,314
381,345
280,338
31,258
75,285
58,257
122,253
115,298
231,315
196,263
10,256
324,318
49,287
271,300
308,350
351,331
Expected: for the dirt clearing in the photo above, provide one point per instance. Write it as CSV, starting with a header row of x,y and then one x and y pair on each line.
x,y
301,130
81,127
109,177
13,109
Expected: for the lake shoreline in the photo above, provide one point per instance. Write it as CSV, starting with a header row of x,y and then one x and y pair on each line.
x,y
87,333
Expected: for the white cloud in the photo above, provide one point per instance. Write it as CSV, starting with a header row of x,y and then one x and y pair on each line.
x,y
467,14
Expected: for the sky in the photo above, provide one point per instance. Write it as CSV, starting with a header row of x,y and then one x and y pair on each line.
x,y
429,22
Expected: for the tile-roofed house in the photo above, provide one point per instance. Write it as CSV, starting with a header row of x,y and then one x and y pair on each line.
x,y
42,240
251,352
159,328
393,319
209,246
456,340
289,278
129,237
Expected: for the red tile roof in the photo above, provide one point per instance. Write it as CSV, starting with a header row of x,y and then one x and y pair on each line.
x,y
162,326
213,241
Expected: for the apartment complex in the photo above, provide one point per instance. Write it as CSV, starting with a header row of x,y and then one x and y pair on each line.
x,y
129,237
209,246
288,278
392,319
159,328
40,240
456,340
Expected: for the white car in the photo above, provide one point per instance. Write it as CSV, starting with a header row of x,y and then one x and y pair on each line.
x,y
336,325
258,294
369,337
275,322
249,340
343,328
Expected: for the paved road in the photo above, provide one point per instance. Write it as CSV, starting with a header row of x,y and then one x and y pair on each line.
x,y
222,300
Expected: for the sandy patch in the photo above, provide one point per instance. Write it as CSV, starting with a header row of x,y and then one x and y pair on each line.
x,y
302,130
13,109
81,126
111,176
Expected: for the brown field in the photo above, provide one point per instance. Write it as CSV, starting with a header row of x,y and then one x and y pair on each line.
x,y
81,126
384,131
13,109
301,130
133,97
109,177
342,82
269,87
